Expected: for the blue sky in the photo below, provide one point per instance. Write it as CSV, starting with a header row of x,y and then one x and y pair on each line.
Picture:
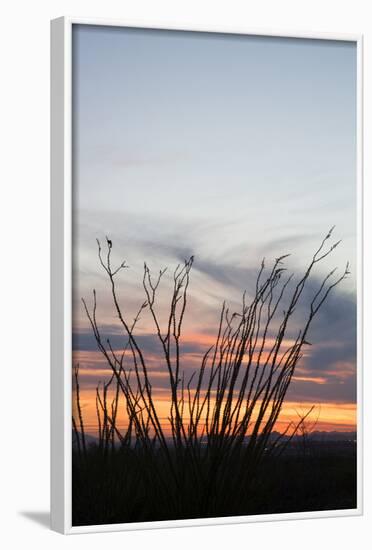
x,y
227,147
222,121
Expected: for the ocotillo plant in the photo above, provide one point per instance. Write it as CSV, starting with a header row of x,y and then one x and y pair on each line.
x,y
228,408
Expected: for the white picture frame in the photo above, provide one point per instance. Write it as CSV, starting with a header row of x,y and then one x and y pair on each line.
x,y
61,274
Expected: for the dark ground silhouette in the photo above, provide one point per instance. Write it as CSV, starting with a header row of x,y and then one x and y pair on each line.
x,y
122,488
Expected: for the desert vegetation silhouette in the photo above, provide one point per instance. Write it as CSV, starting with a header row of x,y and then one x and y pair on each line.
x,y
205,457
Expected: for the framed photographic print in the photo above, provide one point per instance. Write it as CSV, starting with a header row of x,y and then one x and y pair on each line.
x,y
206,276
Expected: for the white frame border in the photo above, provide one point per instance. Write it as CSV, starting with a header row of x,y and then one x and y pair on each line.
x,y
61,275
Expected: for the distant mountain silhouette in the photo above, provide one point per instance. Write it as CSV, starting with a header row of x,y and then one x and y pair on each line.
x,y
319,436
89,439
332,436
323,436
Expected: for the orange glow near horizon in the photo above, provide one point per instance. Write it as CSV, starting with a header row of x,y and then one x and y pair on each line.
x,y
325,416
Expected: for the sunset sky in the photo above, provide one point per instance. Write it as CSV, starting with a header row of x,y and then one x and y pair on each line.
x,y
229,148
